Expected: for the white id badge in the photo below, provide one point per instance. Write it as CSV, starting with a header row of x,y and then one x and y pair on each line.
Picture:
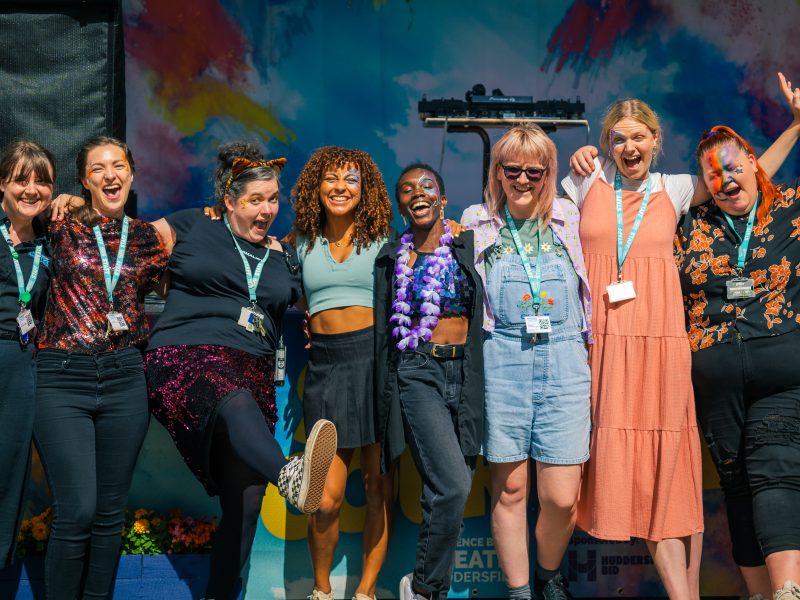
x,y
740,287
537,324
25,321
619,291
117,321
247,319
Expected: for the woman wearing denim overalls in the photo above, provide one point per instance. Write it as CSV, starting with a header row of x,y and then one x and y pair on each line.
x,y
536,319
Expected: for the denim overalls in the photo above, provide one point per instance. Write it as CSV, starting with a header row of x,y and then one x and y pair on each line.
x,y
537,388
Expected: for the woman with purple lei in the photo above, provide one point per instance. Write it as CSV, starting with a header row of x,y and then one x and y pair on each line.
x,y
536,319
430,368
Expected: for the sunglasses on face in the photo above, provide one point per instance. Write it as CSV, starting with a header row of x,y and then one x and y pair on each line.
x,y
533,174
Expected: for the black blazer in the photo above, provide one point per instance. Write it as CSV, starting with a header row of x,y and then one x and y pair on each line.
x,y
391,433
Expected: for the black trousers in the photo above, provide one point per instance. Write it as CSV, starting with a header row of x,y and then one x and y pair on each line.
x,y
748,405
91,420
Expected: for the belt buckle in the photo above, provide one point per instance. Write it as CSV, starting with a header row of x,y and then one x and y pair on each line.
x,y
436,348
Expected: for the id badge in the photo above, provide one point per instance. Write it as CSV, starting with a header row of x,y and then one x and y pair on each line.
x,y
740,287
247,319
619,291
538,324
117,321
25,321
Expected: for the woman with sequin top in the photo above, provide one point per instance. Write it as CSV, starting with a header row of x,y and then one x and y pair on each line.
x,y
429,368
536,300
27,173
91,399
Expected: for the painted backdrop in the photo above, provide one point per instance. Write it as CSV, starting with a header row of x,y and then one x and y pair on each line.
x,y
298,74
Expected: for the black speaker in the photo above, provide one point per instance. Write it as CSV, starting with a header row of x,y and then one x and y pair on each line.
x,y
62,76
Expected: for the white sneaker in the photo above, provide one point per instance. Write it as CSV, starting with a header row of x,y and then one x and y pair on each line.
x,y
302,480
317,595
406,591
358,596
789,591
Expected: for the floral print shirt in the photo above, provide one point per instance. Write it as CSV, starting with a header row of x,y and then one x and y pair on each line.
x,y
707,255
564,222
75,317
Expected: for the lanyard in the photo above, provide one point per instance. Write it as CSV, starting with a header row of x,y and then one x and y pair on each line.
x,y
112,280
622,252
534,274
744,242
24,289
252,279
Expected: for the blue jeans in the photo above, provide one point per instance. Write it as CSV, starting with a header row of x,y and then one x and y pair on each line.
x,y
91,419
16,427
430,390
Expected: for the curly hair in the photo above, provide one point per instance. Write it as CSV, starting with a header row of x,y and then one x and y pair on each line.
x,y
226,155
373,212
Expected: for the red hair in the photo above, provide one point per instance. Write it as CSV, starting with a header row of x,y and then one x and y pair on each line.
x,y
718,136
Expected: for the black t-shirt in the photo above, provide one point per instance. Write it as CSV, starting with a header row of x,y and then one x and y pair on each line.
x,y
208,288
707,259
9,292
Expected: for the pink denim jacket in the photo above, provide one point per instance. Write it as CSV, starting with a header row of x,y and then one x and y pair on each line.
x,y
564,223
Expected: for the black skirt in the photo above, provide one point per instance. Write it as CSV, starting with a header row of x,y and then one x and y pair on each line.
x,y
340,387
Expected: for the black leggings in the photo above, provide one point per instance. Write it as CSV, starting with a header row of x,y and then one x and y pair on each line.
x,y
748,405
244,458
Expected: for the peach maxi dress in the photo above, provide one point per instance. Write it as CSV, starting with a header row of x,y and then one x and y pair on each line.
x,y
644,476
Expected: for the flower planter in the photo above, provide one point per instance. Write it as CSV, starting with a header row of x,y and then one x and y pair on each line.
x,y
157,577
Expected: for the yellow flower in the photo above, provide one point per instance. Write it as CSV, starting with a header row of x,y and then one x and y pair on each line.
x,y
40,532
141,526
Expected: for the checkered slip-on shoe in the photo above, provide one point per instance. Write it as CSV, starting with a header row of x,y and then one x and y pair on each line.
x,y
789,591
302,479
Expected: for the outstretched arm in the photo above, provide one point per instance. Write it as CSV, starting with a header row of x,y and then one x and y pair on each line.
x,y
776,154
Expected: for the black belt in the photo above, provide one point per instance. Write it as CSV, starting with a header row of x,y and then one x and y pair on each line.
x,y
442,351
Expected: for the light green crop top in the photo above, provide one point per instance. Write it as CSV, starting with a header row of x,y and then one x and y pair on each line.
x,y
331,284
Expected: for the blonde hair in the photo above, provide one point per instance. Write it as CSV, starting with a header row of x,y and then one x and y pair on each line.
x,y
527,141
635,109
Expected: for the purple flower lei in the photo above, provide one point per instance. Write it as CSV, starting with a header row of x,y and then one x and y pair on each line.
x,y
431,306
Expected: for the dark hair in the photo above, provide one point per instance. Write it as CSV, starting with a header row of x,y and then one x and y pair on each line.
x,y
86,213
422,167
373,212
720,135
30,157
234,187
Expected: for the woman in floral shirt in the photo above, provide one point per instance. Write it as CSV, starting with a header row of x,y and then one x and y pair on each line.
x,y
740,273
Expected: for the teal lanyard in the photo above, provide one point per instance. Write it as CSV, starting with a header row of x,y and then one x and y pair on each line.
x,y
252,279
534,274
744,242
24,289
622,252
112,280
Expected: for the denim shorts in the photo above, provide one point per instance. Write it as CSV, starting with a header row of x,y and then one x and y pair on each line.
x,y
537,389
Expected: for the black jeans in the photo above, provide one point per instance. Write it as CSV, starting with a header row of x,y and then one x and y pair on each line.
x,y
748,405
430,391
91,420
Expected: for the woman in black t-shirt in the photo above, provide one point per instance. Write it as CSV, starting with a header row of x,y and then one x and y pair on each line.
x,y
739,264
210,363
27,173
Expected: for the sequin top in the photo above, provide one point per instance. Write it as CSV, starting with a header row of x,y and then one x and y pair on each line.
x,y
456,295
75,318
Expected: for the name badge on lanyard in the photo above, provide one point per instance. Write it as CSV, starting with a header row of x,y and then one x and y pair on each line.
x,y
25,321
250,317
742,287
115,320
538,324
621,289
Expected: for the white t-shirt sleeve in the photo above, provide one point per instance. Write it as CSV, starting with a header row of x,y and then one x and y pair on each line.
x,y
680,189
577,186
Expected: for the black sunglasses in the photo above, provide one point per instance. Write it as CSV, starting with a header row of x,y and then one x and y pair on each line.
x,y
534,173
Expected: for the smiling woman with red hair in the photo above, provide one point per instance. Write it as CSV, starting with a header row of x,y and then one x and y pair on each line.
x,y
741,286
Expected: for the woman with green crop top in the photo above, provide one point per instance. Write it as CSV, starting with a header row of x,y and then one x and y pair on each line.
x,y
342,221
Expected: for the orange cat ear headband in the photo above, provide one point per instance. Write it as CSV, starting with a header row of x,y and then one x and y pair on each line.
x,y
241,164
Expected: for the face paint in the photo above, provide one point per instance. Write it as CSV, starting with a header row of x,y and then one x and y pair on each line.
x,y
722,161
